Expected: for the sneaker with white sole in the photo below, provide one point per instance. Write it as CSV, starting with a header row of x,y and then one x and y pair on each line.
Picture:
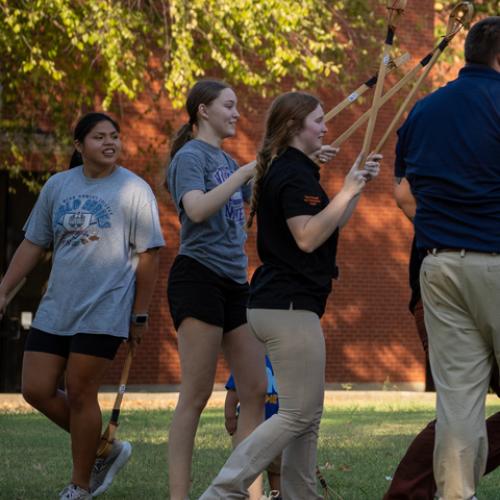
x,y
105,469
74,492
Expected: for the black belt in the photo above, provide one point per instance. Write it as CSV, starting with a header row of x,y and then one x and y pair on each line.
x,y
461,251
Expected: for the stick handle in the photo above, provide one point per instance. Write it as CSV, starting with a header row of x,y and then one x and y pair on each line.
x,y
122,385
376,104
362,119
371,82
409,98
110,431
460,16
396,9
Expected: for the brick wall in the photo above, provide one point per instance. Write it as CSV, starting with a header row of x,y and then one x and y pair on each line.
x,y
369,332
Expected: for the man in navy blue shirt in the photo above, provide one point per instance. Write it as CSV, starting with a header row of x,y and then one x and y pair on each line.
x,y
449,152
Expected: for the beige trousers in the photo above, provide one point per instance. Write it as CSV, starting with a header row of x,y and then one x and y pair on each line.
x,y
461,295
296,347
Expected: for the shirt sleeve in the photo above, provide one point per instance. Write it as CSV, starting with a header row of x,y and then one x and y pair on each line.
x,y
301,194
402,148
146,230
38,228
187,174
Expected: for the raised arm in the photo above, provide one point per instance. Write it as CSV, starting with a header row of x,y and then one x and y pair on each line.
x,y
311,231
200,206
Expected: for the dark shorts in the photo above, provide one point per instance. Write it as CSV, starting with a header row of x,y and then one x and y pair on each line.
x,y
99,345
194,291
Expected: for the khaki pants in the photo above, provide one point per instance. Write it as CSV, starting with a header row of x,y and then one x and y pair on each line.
x,y
461,294
296,347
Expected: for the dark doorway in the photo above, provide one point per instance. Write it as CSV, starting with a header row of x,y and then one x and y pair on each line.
x,y
16,202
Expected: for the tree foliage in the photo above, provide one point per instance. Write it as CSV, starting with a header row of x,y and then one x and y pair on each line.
x,y
453,56
62,57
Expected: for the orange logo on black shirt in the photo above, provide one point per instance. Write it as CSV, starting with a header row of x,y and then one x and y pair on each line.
x,y
312,200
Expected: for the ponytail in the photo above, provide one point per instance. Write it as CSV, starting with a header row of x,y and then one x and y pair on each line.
x,y
76,160
183,135
264,160
284,119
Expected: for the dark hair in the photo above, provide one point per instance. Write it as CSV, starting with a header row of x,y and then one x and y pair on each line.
x,y
84,126
203,92
285,118
483,41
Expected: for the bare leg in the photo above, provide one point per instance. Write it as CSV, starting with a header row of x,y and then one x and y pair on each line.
x,y
199,344
246,357
41,374
84,375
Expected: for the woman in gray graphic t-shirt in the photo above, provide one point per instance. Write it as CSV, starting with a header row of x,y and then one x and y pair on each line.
x,y
207,286
102,223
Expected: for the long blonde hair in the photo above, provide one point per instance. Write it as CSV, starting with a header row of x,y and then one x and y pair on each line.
x,y
285,119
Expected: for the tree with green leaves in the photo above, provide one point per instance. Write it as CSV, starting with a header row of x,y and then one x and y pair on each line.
x,y
61,57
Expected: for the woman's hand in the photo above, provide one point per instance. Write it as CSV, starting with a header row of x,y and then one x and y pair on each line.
x,y
248,170
356,179
372,166
324,154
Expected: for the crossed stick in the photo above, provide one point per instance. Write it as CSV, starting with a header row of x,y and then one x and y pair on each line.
x,y
370,83
396,9
459,18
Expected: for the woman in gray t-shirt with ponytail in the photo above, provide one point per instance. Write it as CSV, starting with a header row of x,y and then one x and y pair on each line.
x,y
207,286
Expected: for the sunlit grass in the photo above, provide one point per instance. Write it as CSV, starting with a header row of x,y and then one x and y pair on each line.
x,y
359,448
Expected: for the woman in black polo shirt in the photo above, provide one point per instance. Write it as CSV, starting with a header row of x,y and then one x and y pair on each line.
x,y
297,241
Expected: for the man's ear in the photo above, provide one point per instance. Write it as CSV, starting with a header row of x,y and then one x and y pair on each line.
x,y
496,62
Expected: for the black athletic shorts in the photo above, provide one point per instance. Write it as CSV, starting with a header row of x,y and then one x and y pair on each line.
x,y
194,291
99,345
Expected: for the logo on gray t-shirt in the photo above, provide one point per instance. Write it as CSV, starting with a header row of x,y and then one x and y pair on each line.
x,y
81,219
233,209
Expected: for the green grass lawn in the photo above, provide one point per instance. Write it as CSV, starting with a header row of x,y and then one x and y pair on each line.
x,y
359,449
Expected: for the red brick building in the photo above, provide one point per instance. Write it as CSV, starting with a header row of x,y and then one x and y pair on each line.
x,y
370,335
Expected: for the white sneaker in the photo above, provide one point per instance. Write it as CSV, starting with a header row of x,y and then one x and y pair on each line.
x,y
105,469
74,492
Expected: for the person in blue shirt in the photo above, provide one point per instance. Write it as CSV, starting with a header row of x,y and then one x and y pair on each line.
x,y
449,152
271,407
